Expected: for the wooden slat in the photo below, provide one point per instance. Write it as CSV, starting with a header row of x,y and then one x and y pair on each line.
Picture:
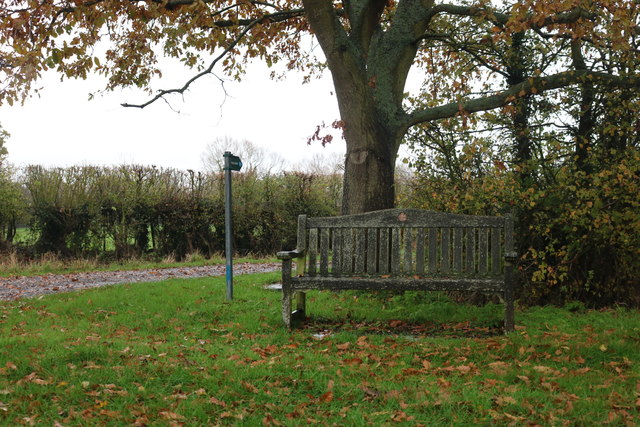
x,y
361,247
470,262
496,259
483,251
302,232
383,260
395,250
433,250
408,251
336,254
399,283
420,251
313,251
457,250
372,250
347,250
445,250
324,251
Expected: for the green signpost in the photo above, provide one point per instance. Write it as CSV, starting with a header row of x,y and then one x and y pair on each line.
x,y
231,163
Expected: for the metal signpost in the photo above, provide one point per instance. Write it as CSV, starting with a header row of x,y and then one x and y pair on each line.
x,y
231,163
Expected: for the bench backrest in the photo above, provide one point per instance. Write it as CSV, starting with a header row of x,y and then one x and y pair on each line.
x,y
405,242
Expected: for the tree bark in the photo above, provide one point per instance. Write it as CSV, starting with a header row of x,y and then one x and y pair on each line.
x,y
369,164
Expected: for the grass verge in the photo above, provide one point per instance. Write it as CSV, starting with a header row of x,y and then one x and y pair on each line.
x,y
51,264
175,352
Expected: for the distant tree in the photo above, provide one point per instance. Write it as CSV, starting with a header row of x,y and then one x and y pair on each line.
x,y
255,159
12,205
370,47
4,136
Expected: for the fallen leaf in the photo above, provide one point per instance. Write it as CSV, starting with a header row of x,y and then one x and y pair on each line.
x,y
506,400
327,397
352,362
249,387
217,402
171,415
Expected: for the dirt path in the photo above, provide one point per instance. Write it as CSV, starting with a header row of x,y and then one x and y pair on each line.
x,y
28,287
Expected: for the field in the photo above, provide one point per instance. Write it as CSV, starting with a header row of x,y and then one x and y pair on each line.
x,y
175,352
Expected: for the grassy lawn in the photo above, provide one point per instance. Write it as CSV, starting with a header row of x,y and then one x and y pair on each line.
x,y
176,352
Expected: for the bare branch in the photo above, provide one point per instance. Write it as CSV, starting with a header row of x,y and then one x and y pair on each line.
x,y
276,17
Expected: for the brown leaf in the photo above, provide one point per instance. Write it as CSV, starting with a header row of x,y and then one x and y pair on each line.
x,y
249,387
343,346
217,402
506,400
171,415
362,341
327,397
499,367
543,370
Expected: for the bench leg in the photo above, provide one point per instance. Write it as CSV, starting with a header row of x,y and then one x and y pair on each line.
x,y
301,305
286,306
509,316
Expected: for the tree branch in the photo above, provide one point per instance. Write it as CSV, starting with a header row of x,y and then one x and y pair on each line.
x,y
275,17
501,19
531,86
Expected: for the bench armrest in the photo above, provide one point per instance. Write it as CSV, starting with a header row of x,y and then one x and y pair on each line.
x,y
285,255
511,256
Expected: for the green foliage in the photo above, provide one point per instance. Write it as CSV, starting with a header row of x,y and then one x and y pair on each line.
x,y
135,210
578,225
176,352
12,202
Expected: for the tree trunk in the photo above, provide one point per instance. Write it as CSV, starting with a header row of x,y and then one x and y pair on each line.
x,y
369,169
369,68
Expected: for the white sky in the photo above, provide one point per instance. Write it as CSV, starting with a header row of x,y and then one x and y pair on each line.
x,y
63,128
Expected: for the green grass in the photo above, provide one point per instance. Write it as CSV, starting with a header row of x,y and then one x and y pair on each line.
x,y
176,352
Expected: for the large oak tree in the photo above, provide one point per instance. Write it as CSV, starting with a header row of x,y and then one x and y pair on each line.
x,y
370,47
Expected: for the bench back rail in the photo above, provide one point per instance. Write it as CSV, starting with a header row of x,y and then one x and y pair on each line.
x,y
405,242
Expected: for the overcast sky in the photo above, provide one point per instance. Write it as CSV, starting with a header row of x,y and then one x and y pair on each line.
x,y
62,127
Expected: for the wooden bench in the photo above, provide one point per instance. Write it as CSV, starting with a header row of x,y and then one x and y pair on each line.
x,y
400,249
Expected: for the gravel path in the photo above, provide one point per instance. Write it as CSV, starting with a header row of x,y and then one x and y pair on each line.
x,y
29,287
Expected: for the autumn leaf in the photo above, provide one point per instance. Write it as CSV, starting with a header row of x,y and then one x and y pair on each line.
x,y
217,402
268,420
505,400
327,397
171,415
249,387
544,370
499,367
343,346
